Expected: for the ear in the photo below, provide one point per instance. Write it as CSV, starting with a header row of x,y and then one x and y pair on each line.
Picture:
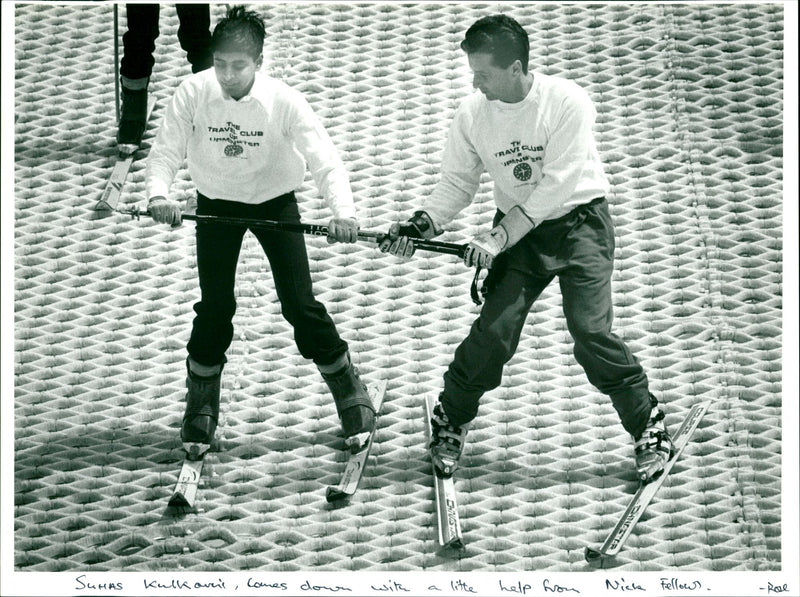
x,y
516,68
259,61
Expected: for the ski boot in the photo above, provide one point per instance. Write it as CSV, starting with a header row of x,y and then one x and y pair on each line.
x,y
353,403
133,115
446,443
653,447
202,410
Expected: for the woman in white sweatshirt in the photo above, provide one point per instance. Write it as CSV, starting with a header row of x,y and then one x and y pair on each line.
x,y
247,140
533,134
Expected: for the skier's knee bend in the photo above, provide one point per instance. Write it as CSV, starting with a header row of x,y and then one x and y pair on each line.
x,y
216,311
588,332
303,312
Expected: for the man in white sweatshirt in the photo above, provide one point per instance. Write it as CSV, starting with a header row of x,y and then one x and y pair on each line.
x,y
248,139
533,134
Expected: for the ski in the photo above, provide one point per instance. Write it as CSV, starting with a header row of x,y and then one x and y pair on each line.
x,y
616,539
189,478
113,191
357,461
445,490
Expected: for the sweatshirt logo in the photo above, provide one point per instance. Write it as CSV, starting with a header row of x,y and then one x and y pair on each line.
x,y
234,137
519,156
233,150
523,171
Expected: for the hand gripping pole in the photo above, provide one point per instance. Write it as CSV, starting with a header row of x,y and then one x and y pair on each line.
x,y
310,229
322,230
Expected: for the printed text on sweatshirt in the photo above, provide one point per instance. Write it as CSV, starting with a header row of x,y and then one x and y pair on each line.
x,y
540,153
250,150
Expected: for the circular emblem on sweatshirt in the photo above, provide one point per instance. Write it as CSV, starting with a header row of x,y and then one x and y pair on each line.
x,y
522,171
233,150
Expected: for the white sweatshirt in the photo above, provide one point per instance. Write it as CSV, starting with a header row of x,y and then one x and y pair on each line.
x,y
540,153
250,150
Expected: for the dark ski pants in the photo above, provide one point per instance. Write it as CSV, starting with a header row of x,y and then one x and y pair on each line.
x,y
218,247
579,249
139,41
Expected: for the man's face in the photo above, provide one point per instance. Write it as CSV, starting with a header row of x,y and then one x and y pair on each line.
x,y
236,72
494,82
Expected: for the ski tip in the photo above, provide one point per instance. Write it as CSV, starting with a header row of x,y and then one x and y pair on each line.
x,y
333,495
103,206
456,543
595,557
101,211
178,500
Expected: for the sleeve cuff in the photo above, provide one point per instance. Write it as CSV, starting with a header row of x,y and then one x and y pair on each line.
x,y
157,188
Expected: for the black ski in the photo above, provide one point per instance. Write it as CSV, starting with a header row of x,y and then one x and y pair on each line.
x,y
357,461
113,191
445,490
613,544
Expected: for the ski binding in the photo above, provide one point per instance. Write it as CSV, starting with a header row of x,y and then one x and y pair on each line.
x,y
616,539
357,460
446,502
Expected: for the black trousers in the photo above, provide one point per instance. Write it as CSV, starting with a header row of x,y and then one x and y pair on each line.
x,y
218,247
139,41
578,249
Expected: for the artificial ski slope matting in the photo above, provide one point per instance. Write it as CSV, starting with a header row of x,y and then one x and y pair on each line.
x,y
689,101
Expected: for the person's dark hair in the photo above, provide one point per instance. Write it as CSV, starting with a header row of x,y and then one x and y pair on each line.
x,y
500,36
240,31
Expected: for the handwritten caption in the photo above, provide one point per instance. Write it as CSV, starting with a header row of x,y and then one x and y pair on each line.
x,y
502,585
776,589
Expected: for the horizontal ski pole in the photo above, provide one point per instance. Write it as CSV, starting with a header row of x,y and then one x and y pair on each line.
x,y
310,229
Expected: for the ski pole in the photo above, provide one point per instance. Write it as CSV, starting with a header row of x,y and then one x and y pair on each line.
x,y
310,229
116,61
322,230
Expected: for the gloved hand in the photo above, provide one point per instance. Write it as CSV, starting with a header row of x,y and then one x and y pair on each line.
x,y
343,230
164,211
398,241
485,247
